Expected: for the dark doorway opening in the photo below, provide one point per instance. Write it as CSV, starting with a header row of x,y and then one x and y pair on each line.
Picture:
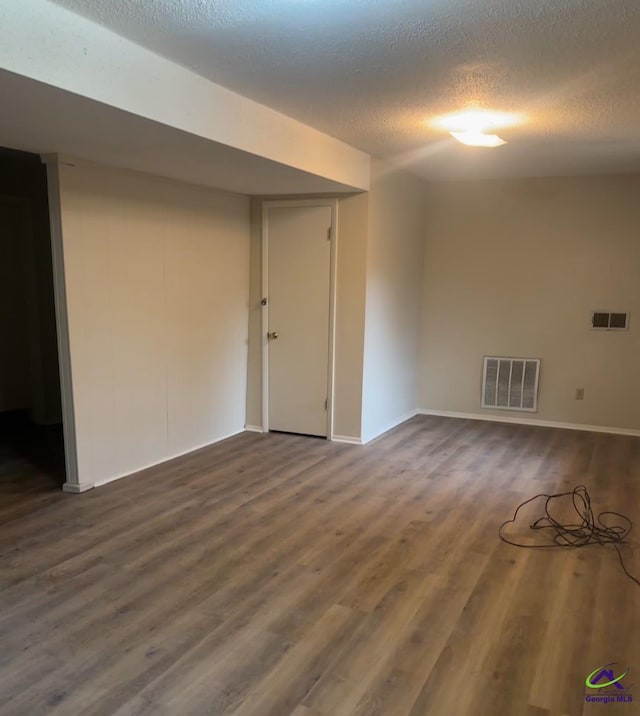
x,y
31,441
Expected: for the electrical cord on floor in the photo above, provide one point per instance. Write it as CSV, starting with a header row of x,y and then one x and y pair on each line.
x,y
590,529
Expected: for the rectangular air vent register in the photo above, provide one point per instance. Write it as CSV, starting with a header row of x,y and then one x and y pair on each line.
x,y
510,383
610,321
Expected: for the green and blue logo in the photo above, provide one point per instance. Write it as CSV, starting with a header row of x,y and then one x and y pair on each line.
x,y
606,687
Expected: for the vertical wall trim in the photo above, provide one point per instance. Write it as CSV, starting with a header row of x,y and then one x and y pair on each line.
x,y
72,483
264,291
333,284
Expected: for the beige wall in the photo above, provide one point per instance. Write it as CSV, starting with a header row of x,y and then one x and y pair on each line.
x,y
515,268
351,274
157,287
393,301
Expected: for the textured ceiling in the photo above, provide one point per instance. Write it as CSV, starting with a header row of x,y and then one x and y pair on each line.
x,y
372,72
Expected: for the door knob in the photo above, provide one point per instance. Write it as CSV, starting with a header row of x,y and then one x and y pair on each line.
x,y
273,335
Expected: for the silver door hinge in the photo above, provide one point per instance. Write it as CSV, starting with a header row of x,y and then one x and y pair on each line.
x,y
326,403
329,232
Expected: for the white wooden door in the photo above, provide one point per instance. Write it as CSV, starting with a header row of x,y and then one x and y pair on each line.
x,y
299,280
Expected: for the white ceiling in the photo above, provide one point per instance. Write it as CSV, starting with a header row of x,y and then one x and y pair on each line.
x,y
371,72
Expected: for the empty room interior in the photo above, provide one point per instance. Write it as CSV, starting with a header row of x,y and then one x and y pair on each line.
x,y
319,357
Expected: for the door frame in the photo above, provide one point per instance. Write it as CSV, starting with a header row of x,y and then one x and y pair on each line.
x,y
298,203
72,484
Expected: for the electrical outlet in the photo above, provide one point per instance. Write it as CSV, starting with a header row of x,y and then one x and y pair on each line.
x,y
579,393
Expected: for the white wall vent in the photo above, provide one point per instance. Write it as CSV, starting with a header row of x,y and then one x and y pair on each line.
x,y
609,321
510,383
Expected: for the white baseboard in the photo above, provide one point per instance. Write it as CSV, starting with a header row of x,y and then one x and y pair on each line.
x,y
531,421
348,439
76,488
391,425
253,428
167,459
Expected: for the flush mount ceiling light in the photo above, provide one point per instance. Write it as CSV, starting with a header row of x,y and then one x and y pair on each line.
x,y
476,127
478,139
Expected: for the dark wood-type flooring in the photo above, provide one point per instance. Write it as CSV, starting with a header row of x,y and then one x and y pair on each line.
x,y
277,575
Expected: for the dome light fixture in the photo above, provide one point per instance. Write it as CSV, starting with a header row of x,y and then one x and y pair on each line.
x,y
477,127
478,139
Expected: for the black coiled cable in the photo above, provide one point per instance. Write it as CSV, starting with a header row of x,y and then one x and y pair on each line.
x,y
589,529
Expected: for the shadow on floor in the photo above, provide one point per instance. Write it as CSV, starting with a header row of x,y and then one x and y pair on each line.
x,y
31,456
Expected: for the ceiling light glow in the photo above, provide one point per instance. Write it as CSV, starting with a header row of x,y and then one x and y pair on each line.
x,y
477,120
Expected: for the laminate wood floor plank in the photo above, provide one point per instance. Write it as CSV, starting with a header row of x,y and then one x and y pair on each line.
x,y
278,575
